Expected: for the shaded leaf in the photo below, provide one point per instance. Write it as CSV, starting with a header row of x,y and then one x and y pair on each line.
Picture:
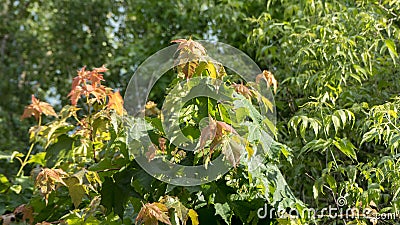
x,y
115,192
76,190
26,211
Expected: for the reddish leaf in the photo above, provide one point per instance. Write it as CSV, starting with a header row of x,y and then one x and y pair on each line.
x,y
96,77
98,92
37,108
208,133
75,94
82,75
190,45
26,212
224,128
190,53
161,143
100,69
182,40
151,152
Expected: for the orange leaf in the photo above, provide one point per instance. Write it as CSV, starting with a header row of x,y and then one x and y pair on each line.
x,y
116,102
269,78
98,92
96,77
86,83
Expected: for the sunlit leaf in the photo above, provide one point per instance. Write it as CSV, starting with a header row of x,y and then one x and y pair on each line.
x,y
116,102
37,108
152,213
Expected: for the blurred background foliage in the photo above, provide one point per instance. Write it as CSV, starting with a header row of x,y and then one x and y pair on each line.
x,y
337,64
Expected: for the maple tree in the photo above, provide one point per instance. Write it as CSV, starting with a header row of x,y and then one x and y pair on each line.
x,y
86,160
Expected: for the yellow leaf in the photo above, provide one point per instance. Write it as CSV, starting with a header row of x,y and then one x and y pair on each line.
x,y
250,151
211,70
116,102
193,216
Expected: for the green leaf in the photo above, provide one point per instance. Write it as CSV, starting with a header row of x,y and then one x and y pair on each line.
x,y
116,191
38,158
224,211
59,150
4,183
315,192
10,156
331,181
336,123
76,190
392,49
346,147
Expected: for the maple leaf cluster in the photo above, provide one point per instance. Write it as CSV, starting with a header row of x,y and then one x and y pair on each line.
x,y
214,131
218,133
189,57
37,108
151,213
88,83
48,181
266,76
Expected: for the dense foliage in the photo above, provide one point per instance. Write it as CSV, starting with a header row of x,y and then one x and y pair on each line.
x,y
337,101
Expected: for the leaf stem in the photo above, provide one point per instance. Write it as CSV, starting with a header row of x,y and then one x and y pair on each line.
x,y
23,163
